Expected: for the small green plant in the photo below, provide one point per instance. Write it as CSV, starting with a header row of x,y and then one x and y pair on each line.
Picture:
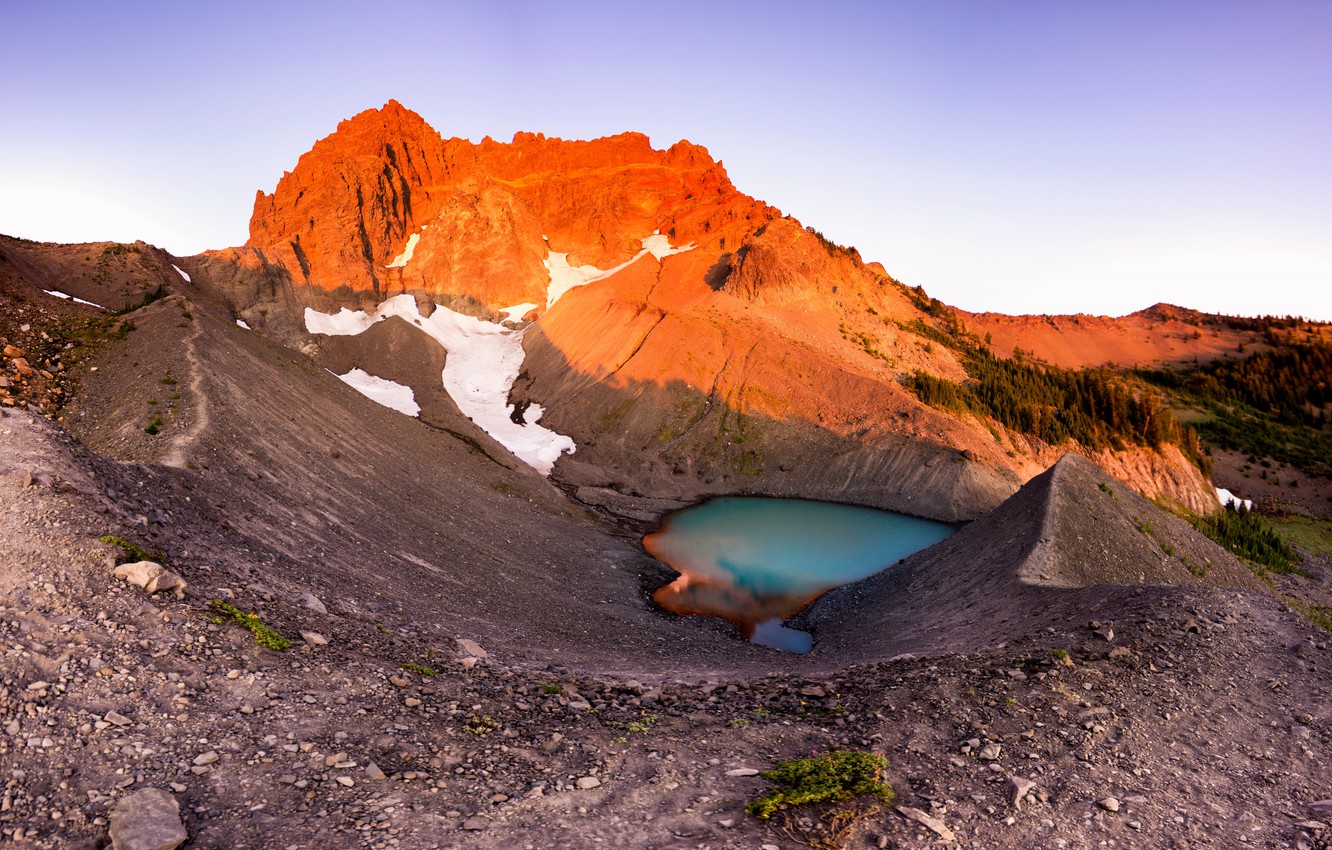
x,y
640,726
169,379
132,551
154,427
1144,525
263,635
1106,488
152,401
420,668
818,800
1168,548
122,330
1059,654
739,722
481,725
551,689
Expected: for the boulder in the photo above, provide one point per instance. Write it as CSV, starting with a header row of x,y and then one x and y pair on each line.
x,y
147,820
152,577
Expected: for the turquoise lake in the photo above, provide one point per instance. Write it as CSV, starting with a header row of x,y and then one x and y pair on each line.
x,y
758,561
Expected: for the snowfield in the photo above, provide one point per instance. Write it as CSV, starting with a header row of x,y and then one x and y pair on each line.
x,y
484,361
485,357
381,390
564,277
1226,497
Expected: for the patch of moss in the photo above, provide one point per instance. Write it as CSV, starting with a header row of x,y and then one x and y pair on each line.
x,y
132,550
837,777
420,668
263,635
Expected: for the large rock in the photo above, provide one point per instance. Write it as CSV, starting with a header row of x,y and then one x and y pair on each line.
x,y
151,576
147,820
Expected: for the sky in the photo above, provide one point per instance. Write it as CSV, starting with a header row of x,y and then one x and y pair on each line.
x,y
1019,157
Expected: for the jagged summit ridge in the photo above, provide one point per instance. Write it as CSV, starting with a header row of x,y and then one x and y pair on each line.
x,y
482,214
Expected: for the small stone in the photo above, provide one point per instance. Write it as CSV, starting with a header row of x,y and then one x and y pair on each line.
x,y
373,772
1022,786
148,819
309,600
411,702
1322,807
334,759
314,638
206,758
726,823
346,781
117,718
990,752
742,771
587,783
475,824
39,686
931,823
233,674
813,691
1110,804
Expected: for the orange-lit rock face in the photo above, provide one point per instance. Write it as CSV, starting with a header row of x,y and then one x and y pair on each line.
x,y
481,213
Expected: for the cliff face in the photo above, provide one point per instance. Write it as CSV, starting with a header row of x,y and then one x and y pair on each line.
x,y
385,205
724,347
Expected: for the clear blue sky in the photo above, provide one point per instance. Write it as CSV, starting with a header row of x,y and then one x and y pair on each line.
x,y
1019,156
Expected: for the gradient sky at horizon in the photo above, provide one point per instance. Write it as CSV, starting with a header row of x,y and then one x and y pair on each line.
x,y
1025,157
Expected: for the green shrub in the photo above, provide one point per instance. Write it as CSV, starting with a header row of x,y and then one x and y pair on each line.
x,y
821,798
837,777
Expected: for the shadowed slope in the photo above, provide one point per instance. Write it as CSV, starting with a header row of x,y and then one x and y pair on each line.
x,y
1069,546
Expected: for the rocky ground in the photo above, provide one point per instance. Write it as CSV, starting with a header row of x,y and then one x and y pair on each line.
x,y
1195,718
460,681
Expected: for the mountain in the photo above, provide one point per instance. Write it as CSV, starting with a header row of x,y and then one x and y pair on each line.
x,y
724,346
475,659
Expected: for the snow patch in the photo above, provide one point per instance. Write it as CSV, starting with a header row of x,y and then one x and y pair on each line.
x,y
181,272
516,312
63,296
1226,497
564,277
383,391
240,323
342,323
660,247
484,360
402,259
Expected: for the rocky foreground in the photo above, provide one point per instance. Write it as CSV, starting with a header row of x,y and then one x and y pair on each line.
x,y
1182,718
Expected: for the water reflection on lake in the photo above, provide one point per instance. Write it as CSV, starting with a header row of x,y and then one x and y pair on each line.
x,y
759,561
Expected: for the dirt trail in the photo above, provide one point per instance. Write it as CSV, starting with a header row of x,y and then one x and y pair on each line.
x,y
176,455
